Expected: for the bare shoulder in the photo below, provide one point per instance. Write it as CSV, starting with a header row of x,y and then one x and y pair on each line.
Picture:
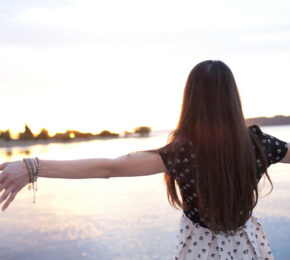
x,y
137,164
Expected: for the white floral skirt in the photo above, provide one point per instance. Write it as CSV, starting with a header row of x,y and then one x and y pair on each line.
x,y
196,242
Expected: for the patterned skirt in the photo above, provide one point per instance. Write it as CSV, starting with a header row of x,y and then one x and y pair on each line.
x,y
196,242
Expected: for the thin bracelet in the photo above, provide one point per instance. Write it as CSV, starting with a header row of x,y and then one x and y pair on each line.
x,y
29,171
38,166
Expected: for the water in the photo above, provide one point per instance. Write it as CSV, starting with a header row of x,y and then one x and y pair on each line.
x,y
121,218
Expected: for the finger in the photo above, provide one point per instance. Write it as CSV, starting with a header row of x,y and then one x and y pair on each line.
x,y
5,195
3,185
11,197
3,165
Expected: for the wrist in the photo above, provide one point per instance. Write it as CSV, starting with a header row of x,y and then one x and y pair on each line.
x,y
33,167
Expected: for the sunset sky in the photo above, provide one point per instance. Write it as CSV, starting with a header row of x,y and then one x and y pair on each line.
x,y
92,65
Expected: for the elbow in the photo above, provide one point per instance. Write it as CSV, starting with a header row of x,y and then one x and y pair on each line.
x,y
114,168
108,173
108,170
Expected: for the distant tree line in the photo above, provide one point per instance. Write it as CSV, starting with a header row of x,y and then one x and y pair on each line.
x,y
68,135
141,131
5,135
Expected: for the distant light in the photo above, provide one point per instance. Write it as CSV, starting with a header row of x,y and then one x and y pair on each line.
x,y
72,135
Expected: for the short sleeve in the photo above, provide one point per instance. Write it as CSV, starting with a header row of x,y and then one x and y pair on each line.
x,y
275,149
168,157
179,159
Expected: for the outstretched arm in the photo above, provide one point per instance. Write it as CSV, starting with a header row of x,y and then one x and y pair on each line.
x,y
132,164
15,175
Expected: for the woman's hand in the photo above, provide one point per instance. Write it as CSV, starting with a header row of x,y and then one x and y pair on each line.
x,y
13,178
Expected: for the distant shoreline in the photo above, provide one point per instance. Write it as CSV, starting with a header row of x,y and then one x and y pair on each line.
x,y
28,143
27,138
269,121
261,121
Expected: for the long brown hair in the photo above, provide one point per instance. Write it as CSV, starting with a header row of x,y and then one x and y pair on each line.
x,y
212,119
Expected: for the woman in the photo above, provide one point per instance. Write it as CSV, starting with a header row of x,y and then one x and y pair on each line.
x,y
212,158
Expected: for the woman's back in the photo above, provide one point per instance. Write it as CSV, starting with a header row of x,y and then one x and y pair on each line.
x,y
216,161
195,239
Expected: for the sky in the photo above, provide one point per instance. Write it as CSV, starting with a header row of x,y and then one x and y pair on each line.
x,y
92,65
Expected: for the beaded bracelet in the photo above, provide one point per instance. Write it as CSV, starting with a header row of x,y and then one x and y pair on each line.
x,y
29,169
33,166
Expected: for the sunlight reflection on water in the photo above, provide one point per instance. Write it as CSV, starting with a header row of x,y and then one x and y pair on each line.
x,y
122,218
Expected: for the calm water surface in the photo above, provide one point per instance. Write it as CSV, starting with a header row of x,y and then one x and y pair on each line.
x,y
121,218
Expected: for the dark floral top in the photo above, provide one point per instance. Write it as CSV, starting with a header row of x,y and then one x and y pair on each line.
x,y
182,165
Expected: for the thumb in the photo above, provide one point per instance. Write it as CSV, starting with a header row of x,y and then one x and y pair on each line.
x,y
3,165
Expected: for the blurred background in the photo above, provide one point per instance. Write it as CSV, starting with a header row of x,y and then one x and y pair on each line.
x,y
84,79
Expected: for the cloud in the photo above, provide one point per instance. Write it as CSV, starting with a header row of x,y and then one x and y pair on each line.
x,y
168,25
